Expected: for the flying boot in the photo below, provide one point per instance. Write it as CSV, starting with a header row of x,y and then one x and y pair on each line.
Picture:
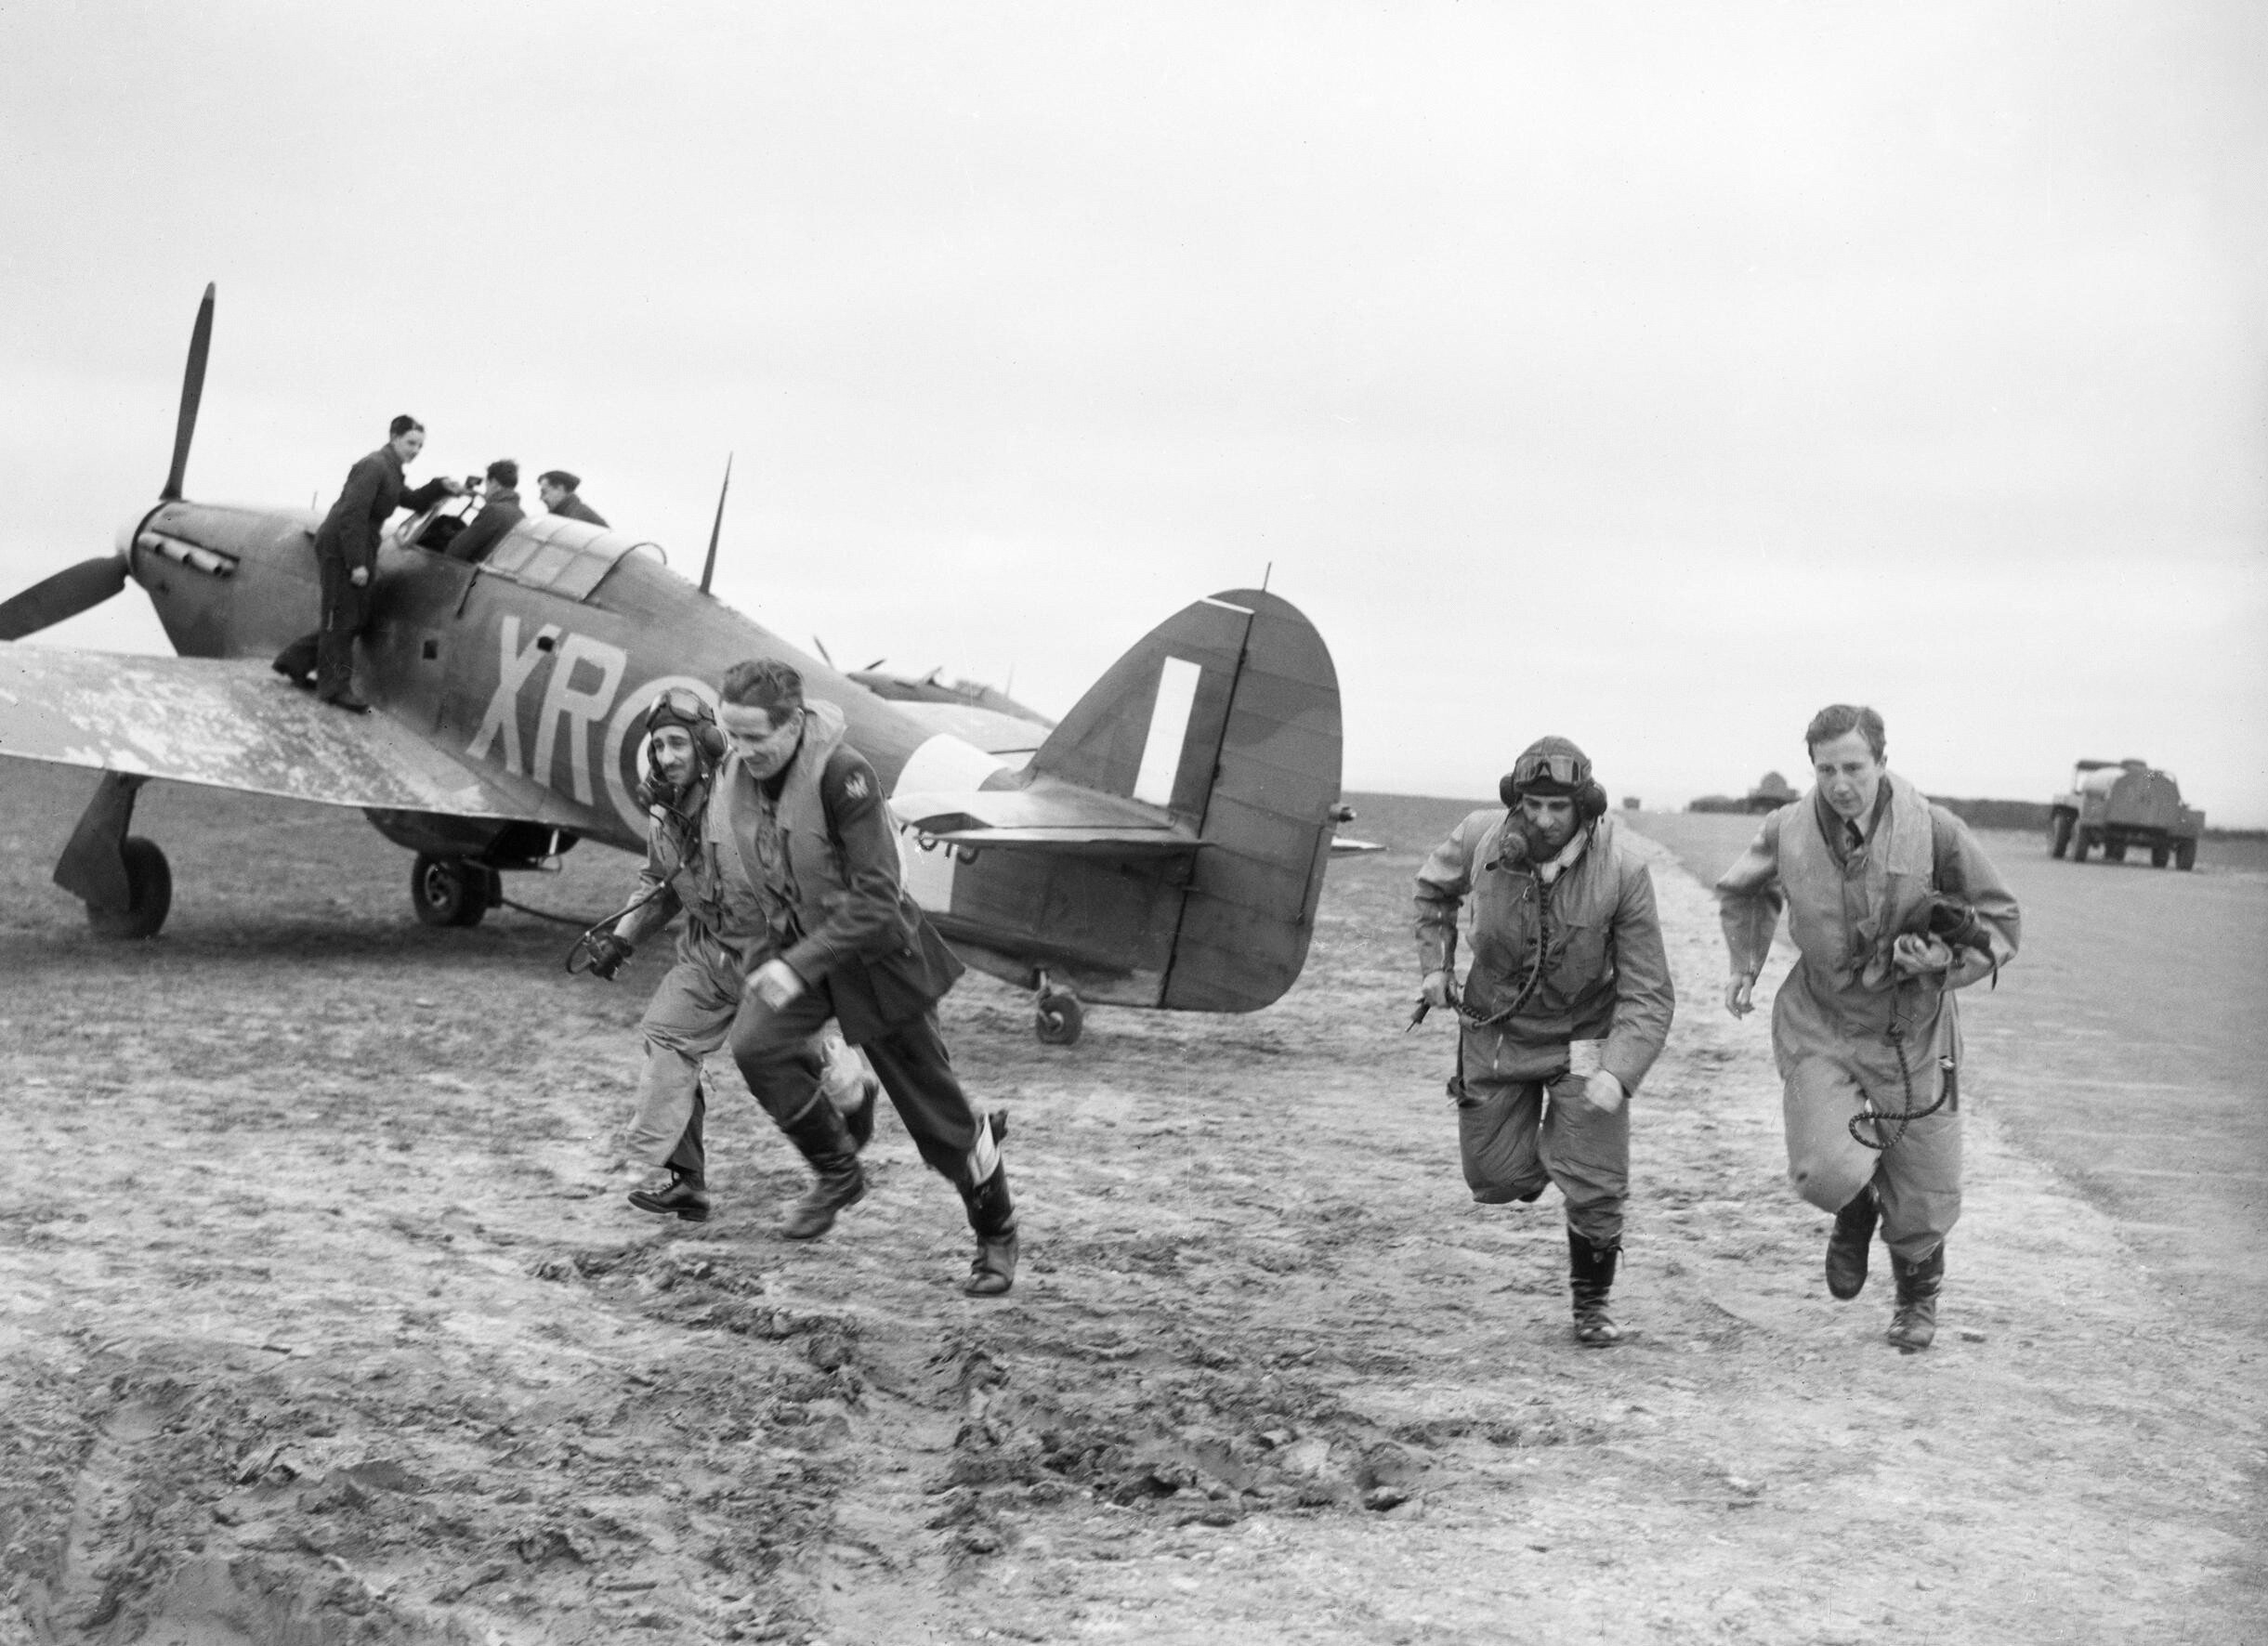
x,y
1591,1275
825,1140
1846,1248
684,1195
992,1212
1915,1323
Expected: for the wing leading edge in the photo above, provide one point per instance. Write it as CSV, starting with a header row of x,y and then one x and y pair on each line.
x,y
231,723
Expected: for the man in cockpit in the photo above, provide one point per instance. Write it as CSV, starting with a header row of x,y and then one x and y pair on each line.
x,y
500,511
557,487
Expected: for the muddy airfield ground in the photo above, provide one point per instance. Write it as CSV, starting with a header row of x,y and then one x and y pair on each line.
x,y
320,1320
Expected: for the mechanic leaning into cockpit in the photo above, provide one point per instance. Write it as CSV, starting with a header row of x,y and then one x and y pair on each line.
x,y
347,556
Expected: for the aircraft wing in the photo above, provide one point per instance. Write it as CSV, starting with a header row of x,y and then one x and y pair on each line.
x,y
1048,815
233,723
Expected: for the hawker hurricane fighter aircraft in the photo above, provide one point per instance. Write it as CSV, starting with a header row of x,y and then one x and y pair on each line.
x,y
1164,846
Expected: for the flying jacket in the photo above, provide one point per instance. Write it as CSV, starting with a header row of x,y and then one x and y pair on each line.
x,y
572,507
374,488
497,515
849,921
1606,974
681,874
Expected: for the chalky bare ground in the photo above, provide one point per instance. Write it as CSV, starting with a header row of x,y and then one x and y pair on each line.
x,y
320,1322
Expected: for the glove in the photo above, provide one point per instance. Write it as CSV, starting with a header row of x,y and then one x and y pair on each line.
x,y
607,955
1440,988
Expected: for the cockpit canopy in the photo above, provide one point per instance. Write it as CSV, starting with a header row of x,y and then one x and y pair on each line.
x,y
570,558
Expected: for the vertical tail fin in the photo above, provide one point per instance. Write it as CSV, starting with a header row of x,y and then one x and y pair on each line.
x,y
1227,716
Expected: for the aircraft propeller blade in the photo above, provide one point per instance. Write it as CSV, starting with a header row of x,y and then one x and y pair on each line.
x,y
66,594
192,391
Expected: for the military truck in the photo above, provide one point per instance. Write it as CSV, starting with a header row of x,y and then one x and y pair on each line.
x,y
2118,803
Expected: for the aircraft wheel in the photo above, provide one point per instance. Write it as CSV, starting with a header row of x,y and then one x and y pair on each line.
x,y
449,891
1060,1019
148,893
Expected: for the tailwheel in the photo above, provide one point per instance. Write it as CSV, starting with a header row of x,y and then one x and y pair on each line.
x,y
1060,1017
148,893
451,891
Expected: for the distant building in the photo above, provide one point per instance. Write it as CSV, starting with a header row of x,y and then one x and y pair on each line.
x,y
1770,793
1631,802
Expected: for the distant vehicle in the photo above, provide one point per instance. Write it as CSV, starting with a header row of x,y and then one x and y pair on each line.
x,y
1770,793
2118,803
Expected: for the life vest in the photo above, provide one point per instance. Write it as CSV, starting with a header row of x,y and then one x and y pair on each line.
x,y
796,859
1845,917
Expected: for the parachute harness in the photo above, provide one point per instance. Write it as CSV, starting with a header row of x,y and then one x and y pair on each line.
x,y
1535,966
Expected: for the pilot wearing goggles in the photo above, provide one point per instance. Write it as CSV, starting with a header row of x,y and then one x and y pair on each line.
x,y
1564,1008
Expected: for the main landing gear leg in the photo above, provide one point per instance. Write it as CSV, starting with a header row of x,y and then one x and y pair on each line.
x,y
123,879
1060,1016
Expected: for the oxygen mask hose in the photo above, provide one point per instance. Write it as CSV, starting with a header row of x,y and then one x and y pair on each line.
x,y
1884,1120
585,949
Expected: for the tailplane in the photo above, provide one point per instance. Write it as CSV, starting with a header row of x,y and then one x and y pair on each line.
x,y
1225,717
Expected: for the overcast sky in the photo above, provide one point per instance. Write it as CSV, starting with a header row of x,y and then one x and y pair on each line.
x,y
1652,375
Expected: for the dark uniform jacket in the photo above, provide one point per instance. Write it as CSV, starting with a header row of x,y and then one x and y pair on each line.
x,y
374,488
497,515
847,921
572,507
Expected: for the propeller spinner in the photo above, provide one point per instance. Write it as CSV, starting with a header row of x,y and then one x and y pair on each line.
x,y
90,582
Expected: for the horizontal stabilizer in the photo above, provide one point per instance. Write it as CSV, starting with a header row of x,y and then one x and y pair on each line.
x,y
1046,815
233,723
1114,844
